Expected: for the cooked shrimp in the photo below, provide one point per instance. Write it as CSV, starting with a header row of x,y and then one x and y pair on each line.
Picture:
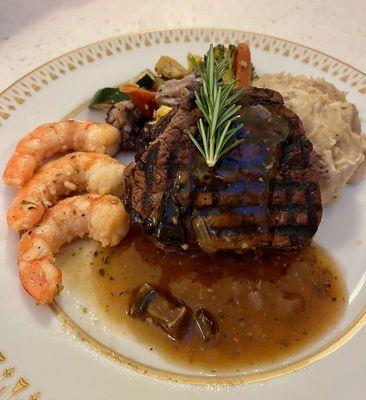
x,y
102,218
75,172
58,137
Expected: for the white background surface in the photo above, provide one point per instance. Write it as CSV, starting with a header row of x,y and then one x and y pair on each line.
x,y
34,31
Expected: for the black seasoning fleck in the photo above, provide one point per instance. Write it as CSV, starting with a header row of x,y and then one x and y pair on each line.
x,y
102,272
106,260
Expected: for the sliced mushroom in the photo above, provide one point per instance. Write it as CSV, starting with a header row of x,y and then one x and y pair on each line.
x,y
206,324
170,315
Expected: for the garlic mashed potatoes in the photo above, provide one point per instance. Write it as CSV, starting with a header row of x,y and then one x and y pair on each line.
x,y
330,122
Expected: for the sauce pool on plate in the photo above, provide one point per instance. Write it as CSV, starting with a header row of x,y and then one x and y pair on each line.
x,y
225,311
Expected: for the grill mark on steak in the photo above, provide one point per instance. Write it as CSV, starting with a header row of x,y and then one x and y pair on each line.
x,y
151,131
170,213
262,194
152,154
295,205
171,148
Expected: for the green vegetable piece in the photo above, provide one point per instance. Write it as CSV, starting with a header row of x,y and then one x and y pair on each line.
x,y
105,98
145,79
197,58
253,75
146,82
221,52
158,83
168,68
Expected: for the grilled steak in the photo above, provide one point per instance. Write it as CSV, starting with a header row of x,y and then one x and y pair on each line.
x,y
128,119
263,194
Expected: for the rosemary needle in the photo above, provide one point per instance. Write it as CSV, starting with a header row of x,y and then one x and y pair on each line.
x,y
217,102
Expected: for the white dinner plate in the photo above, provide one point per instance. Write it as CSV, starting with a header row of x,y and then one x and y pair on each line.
x,y
61,353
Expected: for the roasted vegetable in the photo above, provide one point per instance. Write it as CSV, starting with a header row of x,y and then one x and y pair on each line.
x,y
197,59
243,66
161,112
159,82
220,52
145,79
105,98
168,68
142,98
253,75
239,63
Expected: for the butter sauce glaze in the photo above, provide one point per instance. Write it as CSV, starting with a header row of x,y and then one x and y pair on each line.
x,y
239,311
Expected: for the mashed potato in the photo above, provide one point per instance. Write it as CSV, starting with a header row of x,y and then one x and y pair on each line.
x,y
330,122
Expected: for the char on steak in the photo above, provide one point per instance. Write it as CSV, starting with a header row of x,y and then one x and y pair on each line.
x,y
263,194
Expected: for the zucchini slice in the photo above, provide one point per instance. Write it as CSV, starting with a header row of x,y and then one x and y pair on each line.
x,y
105,98
146,79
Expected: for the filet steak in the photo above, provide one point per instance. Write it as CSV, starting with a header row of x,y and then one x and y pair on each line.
x,y
263,194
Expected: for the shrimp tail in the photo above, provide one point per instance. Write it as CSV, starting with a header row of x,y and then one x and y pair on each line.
x,y
19,169
41,280
24,214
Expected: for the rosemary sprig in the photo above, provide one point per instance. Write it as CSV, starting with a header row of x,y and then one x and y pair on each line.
x,y
216,99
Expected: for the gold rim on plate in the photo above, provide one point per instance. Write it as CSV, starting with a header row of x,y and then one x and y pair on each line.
x,y
208,380
16,94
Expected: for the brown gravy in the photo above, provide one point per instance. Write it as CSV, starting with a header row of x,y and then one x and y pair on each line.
x,y
266,308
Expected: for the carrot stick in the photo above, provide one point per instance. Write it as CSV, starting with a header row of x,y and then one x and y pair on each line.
x,y
243,66
142,98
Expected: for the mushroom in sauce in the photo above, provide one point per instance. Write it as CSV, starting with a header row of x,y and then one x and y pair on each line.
x,y
206,324
171,315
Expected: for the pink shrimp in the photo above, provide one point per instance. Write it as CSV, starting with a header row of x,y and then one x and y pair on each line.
x,y
56,137
74,172
102,218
